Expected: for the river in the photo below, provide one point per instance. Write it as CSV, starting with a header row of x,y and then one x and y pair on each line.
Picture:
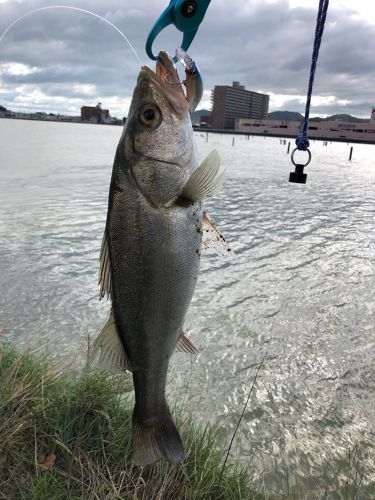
x,y
299,293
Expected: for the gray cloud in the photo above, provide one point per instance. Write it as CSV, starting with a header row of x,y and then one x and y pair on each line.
x,y
267,46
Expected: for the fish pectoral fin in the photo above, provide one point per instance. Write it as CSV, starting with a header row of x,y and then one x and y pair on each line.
x,y
105,268
185,344
107,351
213,239
206,181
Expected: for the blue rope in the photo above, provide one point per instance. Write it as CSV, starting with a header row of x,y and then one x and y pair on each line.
x,y
302,140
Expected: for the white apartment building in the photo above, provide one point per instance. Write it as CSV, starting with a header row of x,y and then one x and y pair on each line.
x,y
326,129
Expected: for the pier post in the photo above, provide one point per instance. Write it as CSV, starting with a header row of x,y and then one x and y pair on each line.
x,y
351,153
288,147
206,136
233,141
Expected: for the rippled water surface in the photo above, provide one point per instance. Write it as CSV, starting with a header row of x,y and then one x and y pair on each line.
x,y
300,293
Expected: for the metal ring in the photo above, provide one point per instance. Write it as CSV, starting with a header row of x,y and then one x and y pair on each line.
x,y
307,151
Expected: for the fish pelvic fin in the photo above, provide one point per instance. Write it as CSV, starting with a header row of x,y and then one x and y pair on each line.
x,y
157,440
206,181
107,351
185,344
212,239
105,268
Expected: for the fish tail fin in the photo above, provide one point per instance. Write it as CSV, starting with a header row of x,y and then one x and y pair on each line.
x,y
156,441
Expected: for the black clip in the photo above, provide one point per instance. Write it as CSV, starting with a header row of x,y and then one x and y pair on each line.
x,y
298,175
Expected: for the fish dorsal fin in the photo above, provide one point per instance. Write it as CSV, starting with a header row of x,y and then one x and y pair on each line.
x,y
185,344
205,180
212,239
107,351
105,268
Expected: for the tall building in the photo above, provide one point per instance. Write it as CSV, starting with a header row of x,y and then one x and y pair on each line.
x,y
229,103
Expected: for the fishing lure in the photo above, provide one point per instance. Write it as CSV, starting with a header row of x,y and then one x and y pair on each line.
x,y
193,82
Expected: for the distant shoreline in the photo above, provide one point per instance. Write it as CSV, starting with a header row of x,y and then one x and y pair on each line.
x,y
60,121
284,136
207,130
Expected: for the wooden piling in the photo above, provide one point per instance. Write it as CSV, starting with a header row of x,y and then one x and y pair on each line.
x,y
351,153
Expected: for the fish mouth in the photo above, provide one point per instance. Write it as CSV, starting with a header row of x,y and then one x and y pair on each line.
x,y
166,80
166,71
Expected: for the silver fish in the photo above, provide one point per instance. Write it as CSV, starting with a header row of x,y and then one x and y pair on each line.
x,y
151,249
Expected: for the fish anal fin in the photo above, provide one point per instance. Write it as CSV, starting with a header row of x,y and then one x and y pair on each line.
x,y
213,239
107,351
205,181
185,344
105,268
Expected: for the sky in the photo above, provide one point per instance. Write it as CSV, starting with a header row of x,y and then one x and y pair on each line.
x,y
59,60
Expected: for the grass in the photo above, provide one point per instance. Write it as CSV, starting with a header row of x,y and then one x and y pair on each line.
x,y
66,435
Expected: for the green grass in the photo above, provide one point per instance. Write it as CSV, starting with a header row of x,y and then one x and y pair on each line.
x,y
68,436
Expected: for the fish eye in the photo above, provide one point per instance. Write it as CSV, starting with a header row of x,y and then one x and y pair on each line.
x,y
150,115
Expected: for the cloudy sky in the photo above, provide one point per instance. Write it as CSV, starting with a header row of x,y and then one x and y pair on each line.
x,y
59,60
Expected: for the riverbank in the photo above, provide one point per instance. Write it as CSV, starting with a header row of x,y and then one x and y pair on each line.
x,y
69,436
68,119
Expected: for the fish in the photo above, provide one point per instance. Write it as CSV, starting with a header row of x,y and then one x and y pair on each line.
x,y
151,247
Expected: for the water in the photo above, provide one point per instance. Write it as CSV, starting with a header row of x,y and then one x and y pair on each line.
x,y
300,292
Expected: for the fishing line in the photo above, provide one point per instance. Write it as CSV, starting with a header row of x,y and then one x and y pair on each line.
x,y
70,8
302,140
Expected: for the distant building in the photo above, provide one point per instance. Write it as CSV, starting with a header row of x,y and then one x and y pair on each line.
x,y
205,121
229,103
324,130
94,114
